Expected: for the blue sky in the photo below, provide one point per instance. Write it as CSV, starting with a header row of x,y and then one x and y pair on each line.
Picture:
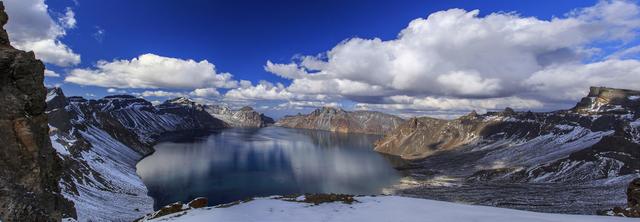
x,y
239,37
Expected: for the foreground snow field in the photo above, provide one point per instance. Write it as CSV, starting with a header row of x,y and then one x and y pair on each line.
x,y
370,209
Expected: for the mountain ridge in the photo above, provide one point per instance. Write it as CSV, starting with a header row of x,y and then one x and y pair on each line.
x,y
338,120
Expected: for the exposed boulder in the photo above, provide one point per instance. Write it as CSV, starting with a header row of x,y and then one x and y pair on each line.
x,y
176,207
199,202
29,167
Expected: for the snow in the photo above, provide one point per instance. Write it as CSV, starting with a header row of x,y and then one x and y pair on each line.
x,y
372,209
116,191
634,97
60,149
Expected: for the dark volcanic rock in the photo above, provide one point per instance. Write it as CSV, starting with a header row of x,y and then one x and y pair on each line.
x,y
339,120
633,194
29,167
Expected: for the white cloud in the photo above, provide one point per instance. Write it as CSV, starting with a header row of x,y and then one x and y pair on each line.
x,y
451,104
305,104
456,59
153,71
31,28
50,73
112,90
205,92
262,91
68,20
99,34
160,93
572,81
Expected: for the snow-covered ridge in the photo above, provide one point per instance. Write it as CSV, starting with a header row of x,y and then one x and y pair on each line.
x,y
370,209
100,141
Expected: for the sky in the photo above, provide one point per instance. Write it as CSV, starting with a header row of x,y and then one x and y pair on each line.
x,y
411,58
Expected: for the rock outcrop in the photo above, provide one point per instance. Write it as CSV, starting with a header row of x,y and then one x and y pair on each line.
x,y
597,139
176,207
29,167
339,120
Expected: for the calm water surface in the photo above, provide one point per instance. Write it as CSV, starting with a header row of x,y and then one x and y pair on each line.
x,y
236,164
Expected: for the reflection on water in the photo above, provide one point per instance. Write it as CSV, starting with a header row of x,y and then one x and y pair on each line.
x,y
235,164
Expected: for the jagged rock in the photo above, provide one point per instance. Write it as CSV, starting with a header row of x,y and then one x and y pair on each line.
x,y
199,202
29,167
339,120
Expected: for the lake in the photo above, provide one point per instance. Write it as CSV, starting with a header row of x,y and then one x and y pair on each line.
x,y
239,163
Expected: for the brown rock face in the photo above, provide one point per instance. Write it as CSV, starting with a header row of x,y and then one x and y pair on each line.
x,y
633,194
199,202
29,167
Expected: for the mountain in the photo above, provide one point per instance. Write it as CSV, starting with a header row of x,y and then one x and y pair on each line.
x,y
29,167
244,117
339,120
100,141
597,140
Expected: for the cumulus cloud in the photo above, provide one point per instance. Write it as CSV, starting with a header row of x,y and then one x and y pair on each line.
x,y
457,59
116,91
50,73
31,28
262,91
451,104
205,92
150,71
572,81
305,104
160,93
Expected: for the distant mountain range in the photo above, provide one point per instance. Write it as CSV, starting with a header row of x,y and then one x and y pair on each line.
x,y
339,120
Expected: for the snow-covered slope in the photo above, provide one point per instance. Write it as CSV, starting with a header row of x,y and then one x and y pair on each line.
x,y
100,142
370,209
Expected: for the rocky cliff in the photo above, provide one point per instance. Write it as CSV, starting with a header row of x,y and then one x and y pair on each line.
x,y
598,138
339,120
29,167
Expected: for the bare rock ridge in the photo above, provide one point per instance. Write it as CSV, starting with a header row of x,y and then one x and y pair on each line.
x,y
339,120
598,138
29,167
